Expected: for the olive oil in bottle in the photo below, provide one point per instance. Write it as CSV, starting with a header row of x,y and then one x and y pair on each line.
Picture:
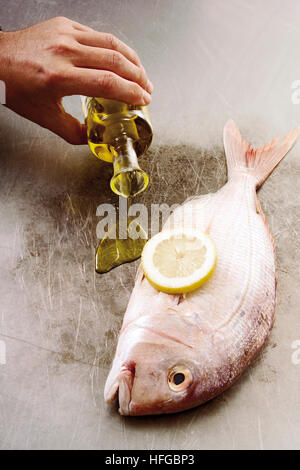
x,y
119,133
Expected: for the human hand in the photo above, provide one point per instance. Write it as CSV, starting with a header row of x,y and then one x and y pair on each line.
x,y
59,57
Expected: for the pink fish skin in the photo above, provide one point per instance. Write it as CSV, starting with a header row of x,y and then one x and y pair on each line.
x,y
209,335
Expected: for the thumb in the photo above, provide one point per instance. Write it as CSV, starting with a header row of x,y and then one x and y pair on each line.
x,y
66,126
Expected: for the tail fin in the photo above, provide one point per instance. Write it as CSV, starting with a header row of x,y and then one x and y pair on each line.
x,y
258,162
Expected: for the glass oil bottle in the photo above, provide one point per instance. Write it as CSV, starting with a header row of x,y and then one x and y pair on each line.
x,y
119,133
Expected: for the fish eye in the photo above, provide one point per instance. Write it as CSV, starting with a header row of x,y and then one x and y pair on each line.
x,y
179,378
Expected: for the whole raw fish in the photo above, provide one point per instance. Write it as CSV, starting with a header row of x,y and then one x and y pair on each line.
x,y
178,351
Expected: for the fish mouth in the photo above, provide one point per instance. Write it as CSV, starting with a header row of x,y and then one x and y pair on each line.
x,y
122,388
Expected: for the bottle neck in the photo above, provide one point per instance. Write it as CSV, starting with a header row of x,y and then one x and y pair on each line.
x,y
128,179
125,158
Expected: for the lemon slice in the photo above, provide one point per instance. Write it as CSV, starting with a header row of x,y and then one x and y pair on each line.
x,y
179,260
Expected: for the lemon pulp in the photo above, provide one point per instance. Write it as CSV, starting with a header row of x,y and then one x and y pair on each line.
x,y
179,261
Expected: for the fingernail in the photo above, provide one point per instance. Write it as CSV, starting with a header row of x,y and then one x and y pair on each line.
x,y
146,97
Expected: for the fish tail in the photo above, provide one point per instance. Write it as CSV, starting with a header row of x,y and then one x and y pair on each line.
x,y
259,162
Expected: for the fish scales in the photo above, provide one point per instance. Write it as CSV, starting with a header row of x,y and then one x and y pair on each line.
x,y
209,335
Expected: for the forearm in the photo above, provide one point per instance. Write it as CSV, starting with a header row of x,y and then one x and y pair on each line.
x,y
2,56
6,56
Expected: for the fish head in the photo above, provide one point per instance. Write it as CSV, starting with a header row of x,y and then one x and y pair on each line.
x,y
158,374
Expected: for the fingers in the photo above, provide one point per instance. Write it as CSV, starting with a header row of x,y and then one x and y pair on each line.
x,y
105,59
97,64
105,84
106,67
107,41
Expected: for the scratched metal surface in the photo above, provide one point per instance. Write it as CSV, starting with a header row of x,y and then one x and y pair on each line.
x,y
209,60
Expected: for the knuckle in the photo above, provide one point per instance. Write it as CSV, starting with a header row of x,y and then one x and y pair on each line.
x,y
61,20
54,78
116,59
134,56
51,78
136,93
111,41
107,81
62,46
62,25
